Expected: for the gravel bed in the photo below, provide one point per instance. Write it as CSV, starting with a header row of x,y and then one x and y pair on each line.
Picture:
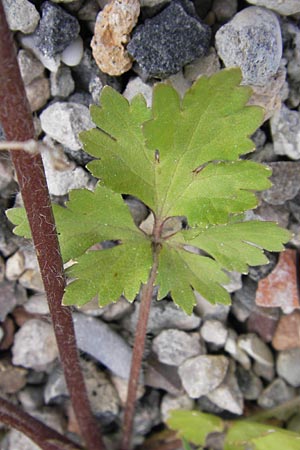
x,y
221,359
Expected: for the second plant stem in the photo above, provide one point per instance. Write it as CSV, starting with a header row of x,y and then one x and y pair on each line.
x,y
139,344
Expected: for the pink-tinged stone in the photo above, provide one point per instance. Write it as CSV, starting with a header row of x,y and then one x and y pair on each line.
x,y
263,321
279,289
287,334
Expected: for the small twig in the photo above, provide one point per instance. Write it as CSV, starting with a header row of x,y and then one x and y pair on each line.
x,y
30,146
38,432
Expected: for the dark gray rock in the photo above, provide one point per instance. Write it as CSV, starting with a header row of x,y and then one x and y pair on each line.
x,y
249,383
168,41
56,30
243,301
256,273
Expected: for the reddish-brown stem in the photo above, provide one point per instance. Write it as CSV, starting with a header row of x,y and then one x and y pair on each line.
x,y
38,432
138,350
16,120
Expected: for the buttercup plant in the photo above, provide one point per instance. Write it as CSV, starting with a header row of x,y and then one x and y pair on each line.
x,y
181,159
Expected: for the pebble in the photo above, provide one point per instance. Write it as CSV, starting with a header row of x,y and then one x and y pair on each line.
x,y
269,96
251,41
115,355
38,93
137,86
165,43
35,345
263,371
256,348
21,15
49,62
63,122
256,273
162,376
224,10
15,266
113,27
202,374
8,298
228,395
236,352
175,346
61,180
288,366
61,82
56,388
214,332
30,66
163,314
31,279
287,334
206,65
275,394
121,386
249,383
18,441
147,413
8,328
73,53
285,129
12,378
284,180
279,289
56,30
263,322
286,7
31,397
244,300
169,403
102,394
207,310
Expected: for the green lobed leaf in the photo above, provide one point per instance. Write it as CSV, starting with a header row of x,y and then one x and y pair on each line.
x,y
245,435
180,272
154,155
194,426
238,245
181,160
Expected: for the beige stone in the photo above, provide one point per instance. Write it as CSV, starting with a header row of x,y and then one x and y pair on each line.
x,y
113,27
38,92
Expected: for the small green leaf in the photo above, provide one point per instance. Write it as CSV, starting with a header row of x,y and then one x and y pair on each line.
x,y
19,218
238,245
244,435
194,426
180,272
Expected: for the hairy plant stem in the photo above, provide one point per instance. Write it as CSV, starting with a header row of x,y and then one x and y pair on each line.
x,y
17,123
139,342
38,432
